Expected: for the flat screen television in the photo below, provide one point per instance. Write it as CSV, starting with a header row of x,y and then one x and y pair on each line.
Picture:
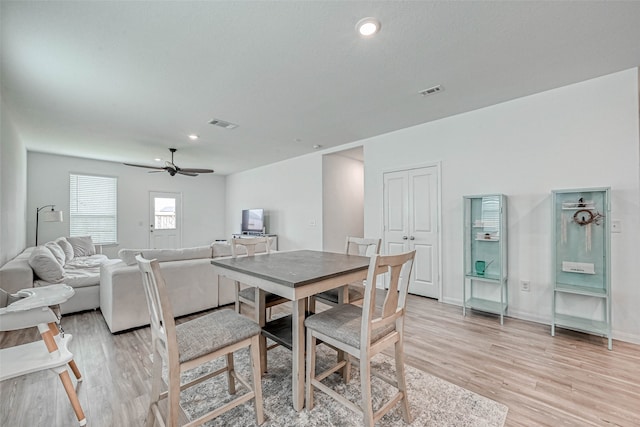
x,y
253,220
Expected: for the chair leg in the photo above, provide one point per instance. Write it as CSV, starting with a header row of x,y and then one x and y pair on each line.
x,y
311,368
75,370
260,318
237,304
73,397
230,378
402,384
365,382
55,331
173,398
48,336
156,385
346,372
257,375
312,304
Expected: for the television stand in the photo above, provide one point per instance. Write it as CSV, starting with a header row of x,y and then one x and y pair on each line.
x,y
250,234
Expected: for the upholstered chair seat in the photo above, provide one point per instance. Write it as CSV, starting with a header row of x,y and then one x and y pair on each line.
x,y
212,332
344,323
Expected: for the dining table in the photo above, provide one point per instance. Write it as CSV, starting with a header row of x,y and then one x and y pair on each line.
x,y
294,275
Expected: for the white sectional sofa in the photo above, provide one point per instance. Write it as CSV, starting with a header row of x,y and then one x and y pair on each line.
x,y
189,275
70,260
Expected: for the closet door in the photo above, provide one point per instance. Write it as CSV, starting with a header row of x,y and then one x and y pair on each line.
x,y
411,222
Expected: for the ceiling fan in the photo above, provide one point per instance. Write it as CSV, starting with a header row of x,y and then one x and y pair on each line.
x,y
172,168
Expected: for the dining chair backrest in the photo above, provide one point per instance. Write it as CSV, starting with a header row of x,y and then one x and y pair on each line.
x,y
253,245
398,268
363,247
163,326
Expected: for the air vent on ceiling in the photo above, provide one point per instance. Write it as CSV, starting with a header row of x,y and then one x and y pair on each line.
x,y
431,90
222,124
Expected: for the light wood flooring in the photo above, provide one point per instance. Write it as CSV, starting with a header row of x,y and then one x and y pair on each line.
x,y
567,380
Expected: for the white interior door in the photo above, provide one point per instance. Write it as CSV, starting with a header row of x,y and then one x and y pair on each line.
x,y
165,223
411,211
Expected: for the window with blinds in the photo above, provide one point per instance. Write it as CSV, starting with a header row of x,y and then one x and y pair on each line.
x,y
93,207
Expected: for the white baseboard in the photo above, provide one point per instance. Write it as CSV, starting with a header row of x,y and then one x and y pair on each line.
x,y
530,317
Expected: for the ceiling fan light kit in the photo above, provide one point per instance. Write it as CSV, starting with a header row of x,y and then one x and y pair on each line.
x,y
172,169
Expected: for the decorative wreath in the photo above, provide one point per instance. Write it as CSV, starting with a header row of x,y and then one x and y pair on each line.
x,y
586,216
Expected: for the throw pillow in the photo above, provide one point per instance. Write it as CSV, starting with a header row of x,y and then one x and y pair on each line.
x,y
45,265
82,246
129,255
66,247
57,252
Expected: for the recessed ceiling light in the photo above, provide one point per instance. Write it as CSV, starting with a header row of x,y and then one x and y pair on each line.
x,y
368,26
193,137
157,159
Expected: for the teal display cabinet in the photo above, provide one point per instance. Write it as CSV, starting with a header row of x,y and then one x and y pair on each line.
x,y
485,254
581,239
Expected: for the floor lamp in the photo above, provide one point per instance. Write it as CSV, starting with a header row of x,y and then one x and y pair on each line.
x,y
48,216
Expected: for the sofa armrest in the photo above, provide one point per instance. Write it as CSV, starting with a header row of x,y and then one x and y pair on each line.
x,y
192,286
16,274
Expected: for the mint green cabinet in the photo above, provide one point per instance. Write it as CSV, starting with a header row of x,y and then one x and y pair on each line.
x,y
581,264
485,254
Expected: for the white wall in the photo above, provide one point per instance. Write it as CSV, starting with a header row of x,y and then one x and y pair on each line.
x,y
291,194
583,135
203,200
13,185
343,200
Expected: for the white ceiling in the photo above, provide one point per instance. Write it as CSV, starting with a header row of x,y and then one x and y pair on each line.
x,y
123,81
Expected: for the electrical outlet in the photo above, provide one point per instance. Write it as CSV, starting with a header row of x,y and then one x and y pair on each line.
x,y
525,285
616,226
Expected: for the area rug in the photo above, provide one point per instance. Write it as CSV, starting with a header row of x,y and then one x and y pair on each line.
x,y
433,401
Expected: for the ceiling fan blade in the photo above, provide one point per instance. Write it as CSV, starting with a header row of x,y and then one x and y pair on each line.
x,y
196,170
171,168
143,166
182,172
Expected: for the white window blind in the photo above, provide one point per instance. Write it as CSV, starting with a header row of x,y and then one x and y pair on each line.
x,y
93,207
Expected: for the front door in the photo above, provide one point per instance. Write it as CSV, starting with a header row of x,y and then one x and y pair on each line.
x,y
165,223
411,211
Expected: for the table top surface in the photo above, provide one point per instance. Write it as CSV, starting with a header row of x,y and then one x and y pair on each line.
x,y
295,268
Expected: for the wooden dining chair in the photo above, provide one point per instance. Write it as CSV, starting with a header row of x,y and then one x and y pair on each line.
x,y
353,246
247,295
363,332
191,344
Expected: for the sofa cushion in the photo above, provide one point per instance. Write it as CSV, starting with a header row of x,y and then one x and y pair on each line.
x,y
82,246
66,247
57,252
129,255
45,265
